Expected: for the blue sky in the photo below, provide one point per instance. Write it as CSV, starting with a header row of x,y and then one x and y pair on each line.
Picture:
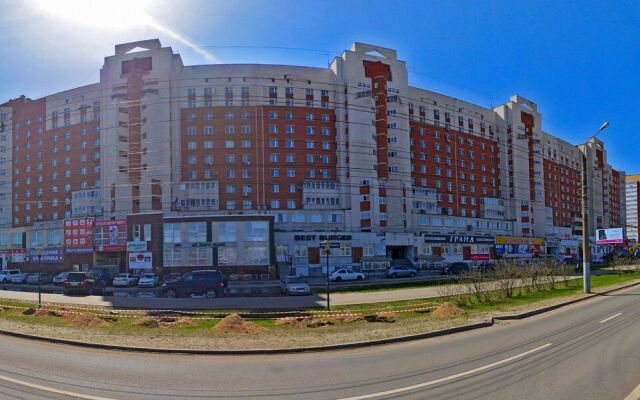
x,y
577,60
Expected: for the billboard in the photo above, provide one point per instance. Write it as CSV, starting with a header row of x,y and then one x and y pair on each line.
x,y
518,247
609,236
51,255
13,255
78,235
110,235
140,260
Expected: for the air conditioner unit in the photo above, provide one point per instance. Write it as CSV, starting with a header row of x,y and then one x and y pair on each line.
x,y
245,194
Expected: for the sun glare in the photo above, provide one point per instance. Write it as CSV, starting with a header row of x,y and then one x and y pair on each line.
x,y
112,15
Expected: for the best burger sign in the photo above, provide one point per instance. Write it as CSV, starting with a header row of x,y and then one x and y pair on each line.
x,y
140,260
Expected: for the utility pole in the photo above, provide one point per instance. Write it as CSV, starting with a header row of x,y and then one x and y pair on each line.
x,y
586,244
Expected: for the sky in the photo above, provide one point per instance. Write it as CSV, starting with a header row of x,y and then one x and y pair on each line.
x,y
578,60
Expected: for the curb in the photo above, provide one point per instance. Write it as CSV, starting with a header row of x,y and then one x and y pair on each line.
x,y
342,346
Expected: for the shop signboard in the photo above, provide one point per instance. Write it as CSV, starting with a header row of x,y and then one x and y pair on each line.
x,y
480,257
459,239
609,236
13,255
136,246
51,255
111,236
78,235
518,247
140,260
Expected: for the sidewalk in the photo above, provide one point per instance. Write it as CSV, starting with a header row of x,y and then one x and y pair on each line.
x,y
253,303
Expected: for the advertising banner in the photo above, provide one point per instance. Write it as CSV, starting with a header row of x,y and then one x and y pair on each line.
x,y
136,246
480,257
609,236
52,255
140,260
14,255
111,236
78,235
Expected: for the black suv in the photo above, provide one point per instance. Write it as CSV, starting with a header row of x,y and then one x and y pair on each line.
x,y
209,283
82,283
457,268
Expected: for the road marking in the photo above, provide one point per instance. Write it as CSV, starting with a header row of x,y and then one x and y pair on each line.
x,y
635,395
52,390
446,378
610,318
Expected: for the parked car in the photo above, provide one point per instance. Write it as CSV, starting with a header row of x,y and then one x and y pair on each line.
x,y
344,274
209,283
59,279
19,278
39,278
148,280
7,274
82,283
125,280
105,273
396,271
456,268
294,285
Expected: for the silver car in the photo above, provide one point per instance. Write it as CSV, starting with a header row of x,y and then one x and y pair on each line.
x,y
294,285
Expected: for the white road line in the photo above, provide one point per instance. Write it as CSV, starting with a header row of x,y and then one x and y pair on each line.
x,y
635,395
446,378
52,390
610,318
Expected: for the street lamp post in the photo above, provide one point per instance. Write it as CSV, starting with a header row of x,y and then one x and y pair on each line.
x,y
327,252
586,244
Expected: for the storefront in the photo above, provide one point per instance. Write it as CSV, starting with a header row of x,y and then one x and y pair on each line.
x,y
78,243
301,253
519,247
562,247
110,243
453,248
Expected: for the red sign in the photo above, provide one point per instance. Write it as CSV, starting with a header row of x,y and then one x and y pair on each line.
x,y
111,235
480,257
78,235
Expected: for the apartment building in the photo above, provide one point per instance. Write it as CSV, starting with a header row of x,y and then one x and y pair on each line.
x,y
632,197
349,153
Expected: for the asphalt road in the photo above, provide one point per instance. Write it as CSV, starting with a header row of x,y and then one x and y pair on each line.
x,y
590,350
235,303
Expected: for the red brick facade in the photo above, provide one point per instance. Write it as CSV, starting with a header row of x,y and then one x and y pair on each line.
x,y
455,164
562,192
255,153
49,164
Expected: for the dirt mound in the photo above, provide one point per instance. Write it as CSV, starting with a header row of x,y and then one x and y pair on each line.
x,y
381,317
147,322
163,322
447,310
41,312
348,318
234,323
310,322
85,319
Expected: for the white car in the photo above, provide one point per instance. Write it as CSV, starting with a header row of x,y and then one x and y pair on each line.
x,y
125,280
19,278
6,275
346,275
149,280
294,285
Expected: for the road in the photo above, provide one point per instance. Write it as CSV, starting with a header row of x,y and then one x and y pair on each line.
x,y
235,303
590,350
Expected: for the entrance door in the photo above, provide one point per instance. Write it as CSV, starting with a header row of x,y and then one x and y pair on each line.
x,y
466,253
